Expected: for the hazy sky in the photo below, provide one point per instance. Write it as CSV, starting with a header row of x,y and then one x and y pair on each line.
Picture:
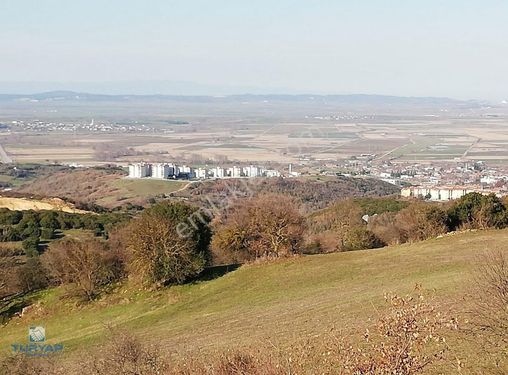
x,y
456,48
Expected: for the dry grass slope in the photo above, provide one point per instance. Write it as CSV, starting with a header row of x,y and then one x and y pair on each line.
x,y
103,187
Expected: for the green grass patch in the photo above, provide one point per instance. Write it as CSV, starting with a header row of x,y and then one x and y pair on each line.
x,y
127,189
281,301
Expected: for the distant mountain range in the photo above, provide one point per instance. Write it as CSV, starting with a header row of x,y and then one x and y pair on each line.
x,y
137,88
356,99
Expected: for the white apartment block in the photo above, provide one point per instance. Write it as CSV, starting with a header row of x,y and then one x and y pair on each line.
x,y
166,170
185,169
161,171
444,193
139,170
235,172
218,172
252,171
272,173
201,173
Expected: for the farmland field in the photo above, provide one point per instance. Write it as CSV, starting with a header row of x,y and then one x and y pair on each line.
x,y
255,130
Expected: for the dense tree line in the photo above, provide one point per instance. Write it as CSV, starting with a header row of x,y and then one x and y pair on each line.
x,y
24,172
172,242
32,226
310,194
392,221
166,244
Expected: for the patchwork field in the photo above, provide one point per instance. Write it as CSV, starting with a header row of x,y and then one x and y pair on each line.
x,y
258,131
40,154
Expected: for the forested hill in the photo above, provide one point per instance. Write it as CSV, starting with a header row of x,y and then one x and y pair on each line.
x,y
108,188
313,194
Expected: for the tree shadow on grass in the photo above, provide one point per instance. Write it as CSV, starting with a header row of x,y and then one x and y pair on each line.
x,y
214,272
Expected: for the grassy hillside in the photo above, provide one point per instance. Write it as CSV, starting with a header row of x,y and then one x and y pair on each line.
x,y
280,302
82,185
107,188
138,191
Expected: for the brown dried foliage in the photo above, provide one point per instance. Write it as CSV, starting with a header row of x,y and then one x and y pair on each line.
x,y
268,226
87,265
489,316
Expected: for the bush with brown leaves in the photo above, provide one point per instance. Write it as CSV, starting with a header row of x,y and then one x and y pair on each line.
x,y
406,341
268,226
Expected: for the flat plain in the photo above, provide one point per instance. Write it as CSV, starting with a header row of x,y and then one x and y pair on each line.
x,y
255,129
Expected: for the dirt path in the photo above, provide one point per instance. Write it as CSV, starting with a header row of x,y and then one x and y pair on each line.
x,y
411,141
464,155
185,186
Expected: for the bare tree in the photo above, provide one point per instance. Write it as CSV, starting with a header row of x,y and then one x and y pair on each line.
x,y
489,316
4,275
7,273
87,265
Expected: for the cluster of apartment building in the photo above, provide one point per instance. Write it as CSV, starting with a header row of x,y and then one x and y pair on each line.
x,y
441,173
167,171
446,193
448,181
435,181
457,173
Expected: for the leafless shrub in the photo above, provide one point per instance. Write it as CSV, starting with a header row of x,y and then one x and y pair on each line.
x,y
489,316
406,341
492,294
247,362
22,364
385,228
126,355
86,265
421,221
31,275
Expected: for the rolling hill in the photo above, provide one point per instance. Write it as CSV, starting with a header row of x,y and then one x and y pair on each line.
x,y
354,99
279,302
